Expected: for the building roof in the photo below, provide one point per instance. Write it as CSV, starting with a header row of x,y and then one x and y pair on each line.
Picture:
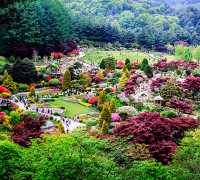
x,y
159,98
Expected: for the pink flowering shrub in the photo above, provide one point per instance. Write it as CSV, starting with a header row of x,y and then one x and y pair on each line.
x,y
115,117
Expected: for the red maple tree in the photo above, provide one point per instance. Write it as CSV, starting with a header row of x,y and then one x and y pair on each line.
x,y
157,131
191,86
158,83
180,106
29,128
129,88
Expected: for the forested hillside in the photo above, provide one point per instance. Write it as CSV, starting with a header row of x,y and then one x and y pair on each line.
x,y
46,24
130,19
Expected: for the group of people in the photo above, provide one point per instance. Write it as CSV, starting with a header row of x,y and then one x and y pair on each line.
x,y
5,102
23,99
66,121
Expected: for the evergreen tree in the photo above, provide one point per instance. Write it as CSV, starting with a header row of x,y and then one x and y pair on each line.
x,y
105,115
148,71
5,74
32,91
10,13
66,81
129,67
127,73
44,22
102,100
8,67
24,71
124,68
61,128
104,129
112,106
127,61
103,64
124,79
144,64
10,84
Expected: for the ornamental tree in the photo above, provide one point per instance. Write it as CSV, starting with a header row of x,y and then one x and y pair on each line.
x,y
136,76
191,86
144,64
32,91
127,61
24,71
66,81
102,100
112,106
10,84
161,65
191,65
29,128
5,75
124,68
156,131
171,89
129,88
104,129
180,106
148,71
105,115
158,83
129,66
8,67
124,78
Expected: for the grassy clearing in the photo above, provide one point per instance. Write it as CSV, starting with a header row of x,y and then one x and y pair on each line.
x,y
72,109
98,55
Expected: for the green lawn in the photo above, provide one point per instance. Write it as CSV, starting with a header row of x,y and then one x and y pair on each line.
x,y
98,55
72,109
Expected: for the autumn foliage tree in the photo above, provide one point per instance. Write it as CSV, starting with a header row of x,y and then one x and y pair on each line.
x,y
129,88
180,106
161,65
191,87
29,128
156,131
158,83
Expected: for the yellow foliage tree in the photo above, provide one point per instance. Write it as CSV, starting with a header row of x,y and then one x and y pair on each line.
x,y
104,129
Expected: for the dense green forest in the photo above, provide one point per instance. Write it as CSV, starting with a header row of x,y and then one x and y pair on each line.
x,y
45,25
163,23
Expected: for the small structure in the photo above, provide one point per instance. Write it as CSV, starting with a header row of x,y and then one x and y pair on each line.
x,y
158,100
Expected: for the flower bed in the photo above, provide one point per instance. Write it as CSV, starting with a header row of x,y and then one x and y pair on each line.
x,y
84,104
45,106
71,100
